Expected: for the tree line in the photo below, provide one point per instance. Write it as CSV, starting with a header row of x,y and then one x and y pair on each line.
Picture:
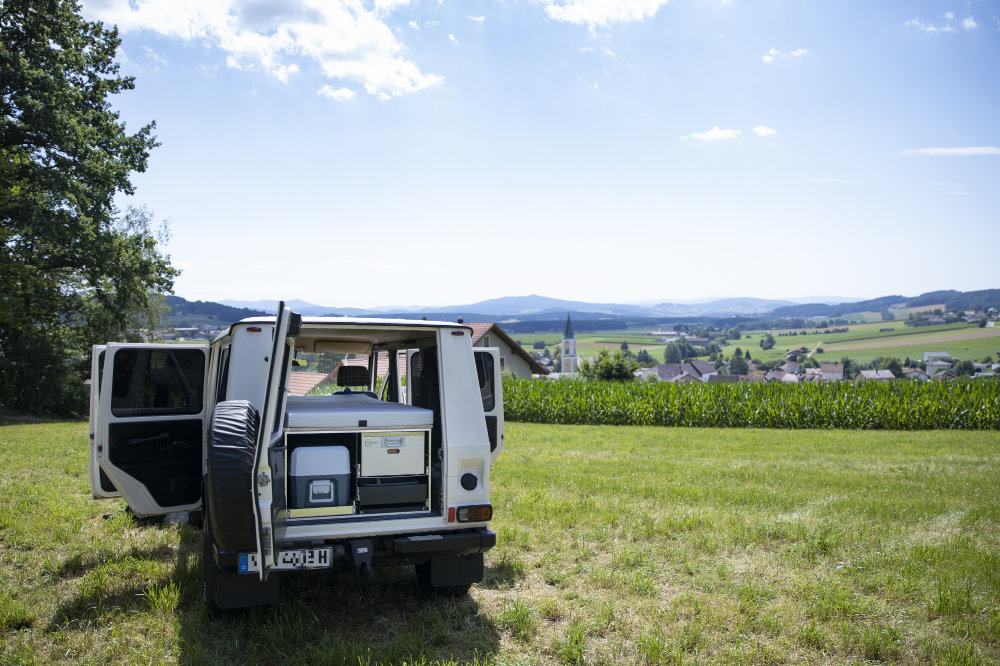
x,y
74,269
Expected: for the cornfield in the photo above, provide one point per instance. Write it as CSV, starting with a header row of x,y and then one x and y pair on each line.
x,y
898,405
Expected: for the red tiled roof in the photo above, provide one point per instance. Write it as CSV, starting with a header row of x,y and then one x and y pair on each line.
x,y
300,383
361,360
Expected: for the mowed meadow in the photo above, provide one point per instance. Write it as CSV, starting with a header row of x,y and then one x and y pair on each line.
x,y
640,545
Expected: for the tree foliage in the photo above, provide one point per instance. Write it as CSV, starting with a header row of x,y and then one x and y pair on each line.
x,y
672,354
617,367
738,364
767,342
73,269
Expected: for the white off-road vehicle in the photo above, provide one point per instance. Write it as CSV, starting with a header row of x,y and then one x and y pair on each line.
x,y
353,479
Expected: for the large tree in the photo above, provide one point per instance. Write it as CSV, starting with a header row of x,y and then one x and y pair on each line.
x,y
74,270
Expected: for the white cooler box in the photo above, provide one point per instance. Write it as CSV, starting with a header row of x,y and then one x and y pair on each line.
x,y
393,453
319,481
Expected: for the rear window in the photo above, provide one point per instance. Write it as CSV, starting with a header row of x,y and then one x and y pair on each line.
x,y
486,373
149,382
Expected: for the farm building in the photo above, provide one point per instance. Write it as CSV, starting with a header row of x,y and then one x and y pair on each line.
x,y
512,356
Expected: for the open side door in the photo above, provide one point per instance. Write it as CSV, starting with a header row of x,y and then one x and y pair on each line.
x,y
101,486
404,359
269,470
149,426
491,391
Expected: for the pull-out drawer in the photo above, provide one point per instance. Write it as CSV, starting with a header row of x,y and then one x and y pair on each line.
x,y
393,491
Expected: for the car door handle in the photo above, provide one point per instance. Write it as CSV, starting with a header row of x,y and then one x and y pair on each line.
x,y
162,438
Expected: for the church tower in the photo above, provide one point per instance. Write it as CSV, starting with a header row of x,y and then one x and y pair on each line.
x,y
570,361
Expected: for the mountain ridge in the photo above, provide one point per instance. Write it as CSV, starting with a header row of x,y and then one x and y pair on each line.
x,y
536,307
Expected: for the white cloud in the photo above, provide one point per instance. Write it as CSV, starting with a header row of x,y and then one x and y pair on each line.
x,y
340,94
386,6
346,40
452,39
774,54
966,151
601,12
761,130
714,134
477,19
928,27
414,25
154,56
834,181
968,23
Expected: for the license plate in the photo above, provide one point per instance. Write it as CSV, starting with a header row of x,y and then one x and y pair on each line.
x,y
305,558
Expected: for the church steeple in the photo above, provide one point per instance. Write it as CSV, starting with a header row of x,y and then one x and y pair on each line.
x,y
570,361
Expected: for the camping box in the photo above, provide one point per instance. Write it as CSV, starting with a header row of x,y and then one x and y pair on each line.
x,y
319,481
393,453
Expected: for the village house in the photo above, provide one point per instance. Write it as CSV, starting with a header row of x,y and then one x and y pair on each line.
x,y
698,370
833,372
915,373
936,366
876,375
512,356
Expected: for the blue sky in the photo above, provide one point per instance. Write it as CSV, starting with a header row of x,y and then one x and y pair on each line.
x,y
439,152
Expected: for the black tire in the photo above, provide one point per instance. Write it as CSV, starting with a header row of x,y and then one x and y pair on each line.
x,y
228,504
227,511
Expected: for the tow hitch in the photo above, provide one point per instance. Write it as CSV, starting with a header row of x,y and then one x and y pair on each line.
x,y
360,553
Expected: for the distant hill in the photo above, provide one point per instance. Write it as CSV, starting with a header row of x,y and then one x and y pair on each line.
x,y
185,313
534,306
544,311
986,298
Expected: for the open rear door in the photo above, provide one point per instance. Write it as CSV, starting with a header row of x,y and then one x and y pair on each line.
x,y
100,485
491,391
269,475
148,434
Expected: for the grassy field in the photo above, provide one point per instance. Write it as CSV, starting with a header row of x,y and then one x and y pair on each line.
x,y
615,545
863,342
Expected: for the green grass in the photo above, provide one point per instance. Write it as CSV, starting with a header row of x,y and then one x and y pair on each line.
x,y
615,545
902,341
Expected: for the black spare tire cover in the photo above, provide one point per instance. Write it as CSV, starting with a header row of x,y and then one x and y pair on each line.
x,y
232,444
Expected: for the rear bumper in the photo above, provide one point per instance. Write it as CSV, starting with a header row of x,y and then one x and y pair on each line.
x,y
478,540
394,550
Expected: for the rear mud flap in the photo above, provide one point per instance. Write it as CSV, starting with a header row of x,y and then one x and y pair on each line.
x,y
456,570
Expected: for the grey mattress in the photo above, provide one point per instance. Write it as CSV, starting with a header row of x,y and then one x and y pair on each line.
x,y
349,410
